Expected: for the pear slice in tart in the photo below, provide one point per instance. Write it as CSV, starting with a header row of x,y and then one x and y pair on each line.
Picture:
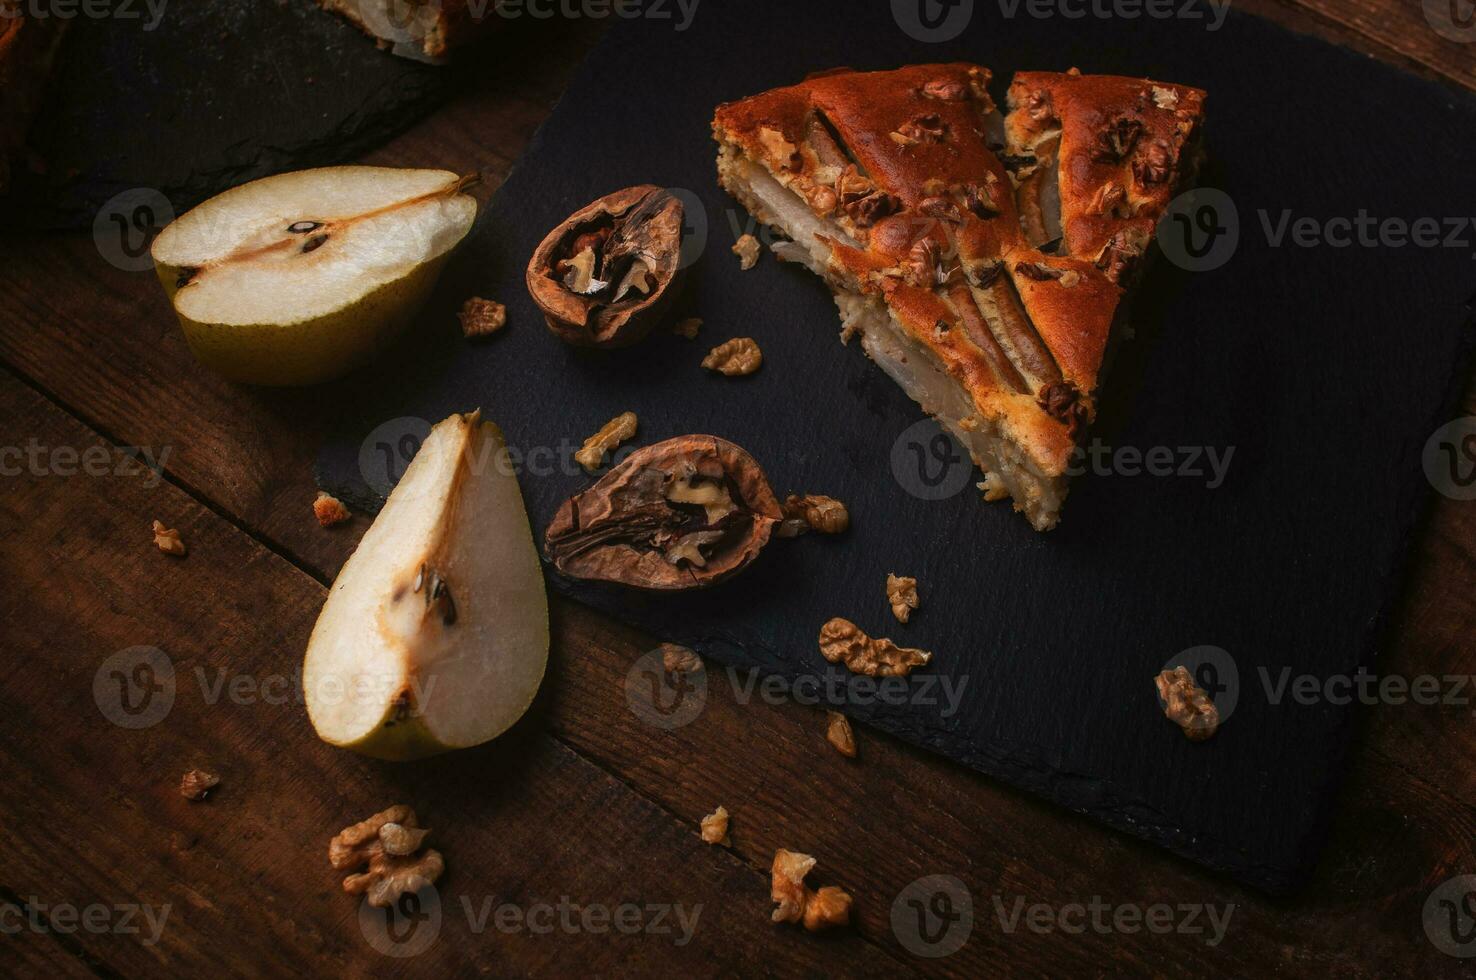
x,y
897,188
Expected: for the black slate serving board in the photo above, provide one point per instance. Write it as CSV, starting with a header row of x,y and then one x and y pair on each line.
x,y
1326,369
189,99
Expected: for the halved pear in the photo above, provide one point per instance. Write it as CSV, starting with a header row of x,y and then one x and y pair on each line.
x,y
301,277
435,633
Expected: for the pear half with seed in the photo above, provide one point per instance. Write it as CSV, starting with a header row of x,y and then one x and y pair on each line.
x,y
435,634
301,277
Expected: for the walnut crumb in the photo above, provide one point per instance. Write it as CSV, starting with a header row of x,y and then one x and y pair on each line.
x,y
677,659
1186,704
715,827
388,843
611,435
688,328
842,641
197,784
329,510
780,148
830,906
747,249
167,540
815,512
993,488
839,734
1165,98
735,357
481,317
1070,278
902,596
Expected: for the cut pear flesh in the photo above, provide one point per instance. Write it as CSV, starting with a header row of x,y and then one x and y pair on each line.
x,y
300,277
435,634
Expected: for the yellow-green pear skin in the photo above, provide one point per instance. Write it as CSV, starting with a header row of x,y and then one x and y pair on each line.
x,y
434,635
301,277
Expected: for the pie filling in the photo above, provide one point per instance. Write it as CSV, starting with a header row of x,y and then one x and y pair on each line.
x,y
1007,470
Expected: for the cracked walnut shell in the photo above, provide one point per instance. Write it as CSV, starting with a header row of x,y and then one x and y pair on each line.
x,y
1186,704
735,357
830,906
842,641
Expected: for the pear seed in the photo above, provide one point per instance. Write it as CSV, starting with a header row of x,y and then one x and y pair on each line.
x,y
313,243
303,227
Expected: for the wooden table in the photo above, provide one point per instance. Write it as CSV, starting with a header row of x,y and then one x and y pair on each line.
x,y
582,803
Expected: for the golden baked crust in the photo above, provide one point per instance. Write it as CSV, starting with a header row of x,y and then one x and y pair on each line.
x,y
911,166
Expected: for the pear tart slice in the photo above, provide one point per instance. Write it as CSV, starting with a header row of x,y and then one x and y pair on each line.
x,y
894,186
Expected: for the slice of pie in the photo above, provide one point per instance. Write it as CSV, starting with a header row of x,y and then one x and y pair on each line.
x,y
981,259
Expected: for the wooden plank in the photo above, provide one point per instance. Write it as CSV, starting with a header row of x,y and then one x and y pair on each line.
x,y
240,883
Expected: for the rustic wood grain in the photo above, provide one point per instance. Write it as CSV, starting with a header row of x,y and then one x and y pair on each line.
x,y
93,813
608,802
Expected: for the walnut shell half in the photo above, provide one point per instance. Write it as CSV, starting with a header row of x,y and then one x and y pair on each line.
x,y
607,274
685,513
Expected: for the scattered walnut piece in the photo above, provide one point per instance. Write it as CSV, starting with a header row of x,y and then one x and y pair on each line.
x,y
842,641
747,249
830,906
1070,278
735,357
167,540
481,317
688,328
902,595
1186,705
611,435
388,843
1107,198
839,734
197,784
677,659
329,510
824,514
715,827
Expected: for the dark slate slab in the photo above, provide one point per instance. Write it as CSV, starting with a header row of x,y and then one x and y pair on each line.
x,y
1325,369
210,95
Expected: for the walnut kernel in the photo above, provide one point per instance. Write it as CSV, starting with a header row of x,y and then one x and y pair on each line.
x,y
830,906
677,659
197,784
735,357
481,317
842,641
779,147
824,514
839,734
1186,704
688,328
611,435
902,596
387,842
715,827
167,540
747,249
329,510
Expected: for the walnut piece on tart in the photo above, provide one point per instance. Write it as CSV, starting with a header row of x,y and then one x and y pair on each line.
x,y
975,275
